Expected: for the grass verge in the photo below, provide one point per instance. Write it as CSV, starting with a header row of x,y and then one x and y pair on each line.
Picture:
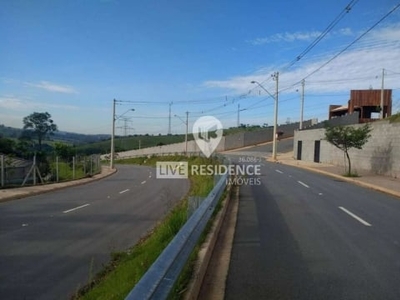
x,y
126,268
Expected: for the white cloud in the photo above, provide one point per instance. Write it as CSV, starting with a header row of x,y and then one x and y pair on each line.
x,y
52,87
297,36
286,37
11,102
357,68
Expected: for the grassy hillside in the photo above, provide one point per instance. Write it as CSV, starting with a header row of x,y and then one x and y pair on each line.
x,y
145,141
395,118
131,143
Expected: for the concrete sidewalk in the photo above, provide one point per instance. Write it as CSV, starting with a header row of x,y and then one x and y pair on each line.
x,y
381,183
21,192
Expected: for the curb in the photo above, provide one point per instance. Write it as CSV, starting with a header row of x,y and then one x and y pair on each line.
x,y
351,180
48,188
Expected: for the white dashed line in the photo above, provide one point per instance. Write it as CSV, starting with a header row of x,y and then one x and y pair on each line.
x,y
143,182
303,184
355,216
72,209
124,191
279,171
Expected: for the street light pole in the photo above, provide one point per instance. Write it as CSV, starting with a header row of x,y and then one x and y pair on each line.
x,y
302,104
187,128
381,114
112,137
169,118
186,135
112,151
275,76
274,150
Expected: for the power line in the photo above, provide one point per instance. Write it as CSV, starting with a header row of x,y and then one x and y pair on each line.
x,y
344,49
341,15
353,42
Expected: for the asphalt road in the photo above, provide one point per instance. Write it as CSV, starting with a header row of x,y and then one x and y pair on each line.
x,y
52,244
301,235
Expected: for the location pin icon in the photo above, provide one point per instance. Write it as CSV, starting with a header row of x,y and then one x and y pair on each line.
x,y
207,132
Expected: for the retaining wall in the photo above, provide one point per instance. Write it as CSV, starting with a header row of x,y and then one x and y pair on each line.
x,y
234,141
380,155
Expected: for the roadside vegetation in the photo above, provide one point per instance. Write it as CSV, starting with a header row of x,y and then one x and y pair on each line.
x,y
126,268
395,118
346,138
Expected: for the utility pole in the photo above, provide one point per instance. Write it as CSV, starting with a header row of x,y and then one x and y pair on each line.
x,y
381,116
112,136
302,104
112,151
275,76
186,135
238,117
169,119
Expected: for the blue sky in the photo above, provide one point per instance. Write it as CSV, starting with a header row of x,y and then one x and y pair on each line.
x,y
72,58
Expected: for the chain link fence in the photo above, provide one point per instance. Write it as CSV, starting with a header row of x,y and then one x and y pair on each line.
x,y
44,170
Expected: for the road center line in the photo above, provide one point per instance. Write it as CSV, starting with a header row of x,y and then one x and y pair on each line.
x,y
124,191
143,182
72,209
279,171
303,184
355,216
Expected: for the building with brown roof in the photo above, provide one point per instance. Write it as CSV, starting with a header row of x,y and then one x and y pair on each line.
x,y
366,103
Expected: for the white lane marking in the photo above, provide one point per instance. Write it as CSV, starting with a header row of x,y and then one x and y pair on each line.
x,y
72,209
124,191
303,184
279,171
143,182
355,216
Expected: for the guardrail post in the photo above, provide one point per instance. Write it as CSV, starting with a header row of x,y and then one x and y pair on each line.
x,y
73,167
2,170
57,170
34,169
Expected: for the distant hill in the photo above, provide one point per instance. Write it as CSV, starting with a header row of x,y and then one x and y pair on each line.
x,y
100,143
62,136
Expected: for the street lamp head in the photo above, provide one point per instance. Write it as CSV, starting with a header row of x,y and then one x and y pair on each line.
x,y
253,82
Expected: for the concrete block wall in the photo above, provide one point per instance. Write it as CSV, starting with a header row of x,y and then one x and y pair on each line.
x,y
243,139
380,155
168,149
234,141
344,120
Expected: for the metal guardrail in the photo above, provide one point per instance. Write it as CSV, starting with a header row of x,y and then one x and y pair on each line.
x,y
159,280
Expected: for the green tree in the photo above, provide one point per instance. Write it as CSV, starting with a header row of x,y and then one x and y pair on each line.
x,y
64,151
7,146
346,138
42,125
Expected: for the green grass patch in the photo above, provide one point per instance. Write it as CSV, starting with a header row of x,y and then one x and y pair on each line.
x,y
394,118
117,279
183,281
